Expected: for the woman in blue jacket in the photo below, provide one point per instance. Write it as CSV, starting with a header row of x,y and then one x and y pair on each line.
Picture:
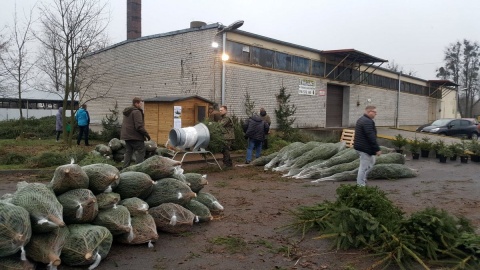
x,y
83,121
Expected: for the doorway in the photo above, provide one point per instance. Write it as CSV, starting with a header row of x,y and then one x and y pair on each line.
x,y
334,110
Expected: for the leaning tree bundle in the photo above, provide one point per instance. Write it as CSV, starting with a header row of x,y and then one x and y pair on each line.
x,y
322,152
283,152
294,153
79,206
144,231
68,177
103,149
172,218
42,205
135,206
134,184
101,176
210,201
200,210
170,190
156,167
379,171
196,181
263,160
47,247
347,156
117,220
86,245
15,229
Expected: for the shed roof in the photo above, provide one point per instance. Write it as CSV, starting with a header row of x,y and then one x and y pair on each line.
x,y
175,98
354,56
443,82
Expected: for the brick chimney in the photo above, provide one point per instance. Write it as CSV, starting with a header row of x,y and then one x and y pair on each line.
x,y
134,19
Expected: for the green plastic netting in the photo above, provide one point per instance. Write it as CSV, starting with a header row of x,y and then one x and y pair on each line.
x,y
197,181
79,206
282,154
169,190
134,184
115,144
262,161
68,177
144,230
44,208
101,176
117,220
47,247
156,167
135,206
86,245
200,210
15,228
107,200
103,149
210,201
172,218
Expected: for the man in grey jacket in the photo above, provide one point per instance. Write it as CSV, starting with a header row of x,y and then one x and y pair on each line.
x,y
133,132
365,142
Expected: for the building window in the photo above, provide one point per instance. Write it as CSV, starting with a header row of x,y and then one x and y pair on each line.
x,y
301,65
318,68
238,52
283,61
262,57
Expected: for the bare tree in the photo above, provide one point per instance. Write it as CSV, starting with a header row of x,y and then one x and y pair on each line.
x,y
16,58
71,30
462,64
3,72
395,67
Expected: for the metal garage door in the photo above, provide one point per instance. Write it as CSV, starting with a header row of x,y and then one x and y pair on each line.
x,y
334,105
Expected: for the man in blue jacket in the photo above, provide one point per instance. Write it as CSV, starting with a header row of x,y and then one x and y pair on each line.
x,y
83,122
365,142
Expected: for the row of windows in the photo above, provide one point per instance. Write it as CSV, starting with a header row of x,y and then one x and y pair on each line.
x,y
256,56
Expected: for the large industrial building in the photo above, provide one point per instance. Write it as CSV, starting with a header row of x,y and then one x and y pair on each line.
x,y
329,88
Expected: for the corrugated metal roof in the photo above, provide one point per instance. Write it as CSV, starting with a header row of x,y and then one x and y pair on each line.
x,y
354,56
443,82
174,99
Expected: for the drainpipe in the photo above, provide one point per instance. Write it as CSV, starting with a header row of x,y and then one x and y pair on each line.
x,y
397,122
223,67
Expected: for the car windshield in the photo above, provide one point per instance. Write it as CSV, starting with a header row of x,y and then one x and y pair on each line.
x,y
441,122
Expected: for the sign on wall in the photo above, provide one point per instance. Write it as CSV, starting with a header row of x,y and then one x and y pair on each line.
x,y
307,87
177,116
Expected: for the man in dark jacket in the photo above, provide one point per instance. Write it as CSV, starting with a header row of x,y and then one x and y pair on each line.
x,y
255,129
133,132
365,142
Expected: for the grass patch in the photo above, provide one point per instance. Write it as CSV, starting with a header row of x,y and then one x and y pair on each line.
x,y
232,244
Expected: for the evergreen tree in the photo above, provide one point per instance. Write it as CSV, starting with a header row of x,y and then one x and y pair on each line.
x,y
284,114
110,124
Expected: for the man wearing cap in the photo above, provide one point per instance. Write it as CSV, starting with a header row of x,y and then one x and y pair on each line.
x,y
133,132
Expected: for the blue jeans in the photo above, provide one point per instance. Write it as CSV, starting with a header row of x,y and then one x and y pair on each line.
x,y
254,144
366,164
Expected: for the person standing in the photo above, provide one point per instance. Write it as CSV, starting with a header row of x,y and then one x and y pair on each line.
x,y
365,143
59,122
255,130
266,118
226,125
83,121
213,115
133,132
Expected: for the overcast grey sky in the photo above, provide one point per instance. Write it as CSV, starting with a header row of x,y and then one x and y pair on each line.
x,y
413,33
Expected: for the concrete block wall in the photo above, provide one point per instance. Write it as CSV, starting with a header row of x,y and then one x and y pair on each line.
x,y
263,86
181,64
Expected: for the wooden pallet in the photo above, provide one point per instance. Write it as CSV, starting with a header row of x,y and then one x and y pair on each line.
x,y
347,137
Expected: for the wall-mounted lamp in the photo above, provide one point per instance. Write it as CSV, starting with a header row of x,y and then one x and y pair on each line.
x,y
225,57
214,45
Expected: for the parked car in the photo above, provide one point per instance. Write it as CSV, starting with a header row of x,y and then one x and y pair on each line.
x,y
453,127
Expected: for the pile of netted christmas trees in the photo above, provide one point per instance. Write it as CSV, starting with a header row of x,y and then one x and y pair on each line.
x,y
74,219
